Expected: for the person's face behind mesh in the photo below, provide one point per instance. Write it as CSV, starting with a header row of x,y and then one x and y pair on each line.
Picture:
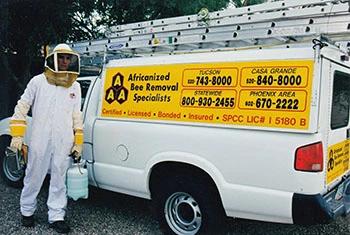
x,y
64,61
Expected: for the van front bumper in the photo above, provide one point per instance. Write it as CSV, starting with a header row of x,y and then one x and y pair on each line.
x,y
314,209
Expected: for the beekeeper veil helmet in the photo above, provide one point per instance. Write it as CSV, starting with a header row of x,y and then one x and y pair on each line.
x,y
62,66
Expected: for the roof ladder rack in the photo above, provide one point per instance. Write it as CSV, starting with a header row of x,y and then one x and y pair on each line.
x,y
279,23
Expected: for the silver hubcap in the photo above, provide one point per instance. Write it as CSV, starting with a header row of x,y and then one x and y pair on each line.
x,y
183,213
11,169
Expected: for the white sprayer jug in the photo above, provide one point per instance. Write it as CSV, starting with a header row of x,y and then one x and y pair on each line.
x,y
77,181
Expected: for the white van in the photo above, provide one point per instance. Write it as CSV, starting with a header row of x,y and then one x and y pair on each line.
x,y
255,134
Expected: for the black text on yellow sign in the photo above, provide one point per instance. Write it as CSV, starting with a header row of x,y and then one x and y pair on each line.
x,y
287,100
215,93
338,160
210,77
275,76
208,98
116,92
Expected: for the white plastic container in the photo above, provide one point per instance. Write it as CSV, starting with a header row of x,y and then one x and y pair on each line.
x,y
77,182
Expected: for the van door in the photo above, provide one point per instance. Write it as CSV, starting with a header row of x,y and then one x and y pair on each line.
x,y
337,162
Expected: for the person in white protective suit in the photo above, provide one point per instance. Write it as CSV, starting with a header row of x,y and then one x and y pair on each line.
x,y
57,131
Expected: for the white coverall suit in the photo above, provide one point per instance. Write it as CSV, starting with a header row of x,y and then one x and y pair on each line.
x,y
50,143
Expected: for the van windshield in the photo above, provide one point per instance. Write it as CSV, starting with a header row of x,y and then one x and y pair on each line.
x,y
84,84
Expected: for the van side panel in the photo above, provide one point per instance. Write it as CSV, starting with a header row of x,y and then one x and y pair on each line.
x,y
250,168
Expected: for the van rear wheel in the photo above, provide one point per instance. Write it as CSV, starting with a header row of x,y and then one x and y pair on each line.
x,y
183,213
188,205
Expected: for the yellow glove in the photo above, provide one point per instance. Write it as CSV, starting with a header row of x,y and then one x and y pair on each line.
x,y
76,151
17,142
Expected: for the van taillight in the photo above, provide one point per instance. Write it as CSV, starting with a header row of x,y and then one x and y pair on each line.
x,y
309,158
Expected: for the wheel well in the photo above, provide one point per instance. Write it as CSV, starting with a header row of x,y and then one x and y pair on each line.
x,y
4,140
166,170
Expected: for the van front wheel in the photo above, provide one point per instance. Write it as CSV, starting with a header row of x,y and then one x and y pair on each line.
x,y
188,206
9,171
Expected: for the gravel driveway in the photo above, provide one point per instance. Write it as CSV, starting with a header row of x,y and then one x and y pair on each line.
x,y
111,213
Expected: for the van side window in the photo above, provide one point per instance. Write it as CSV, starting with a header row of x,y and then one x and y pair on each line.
x,y
341,100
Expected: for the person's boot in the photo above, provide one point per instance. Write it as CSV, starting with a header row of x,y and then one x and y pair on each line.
x,y
60,226
28,221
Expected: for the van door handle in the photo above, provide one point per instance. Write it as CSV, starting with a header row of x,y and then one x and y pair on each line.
x,y
348,133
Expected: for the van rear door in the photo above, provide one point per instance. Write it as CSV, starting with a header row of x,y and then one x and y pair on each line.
x,y
337,162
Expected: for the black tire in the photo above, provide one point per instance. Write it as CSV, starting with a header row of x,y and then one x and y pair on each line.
x,y
8,171
188,205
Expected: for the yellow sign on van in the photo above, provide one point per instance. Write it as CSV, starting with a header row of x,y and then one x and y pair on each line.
x,y
338,160
263,94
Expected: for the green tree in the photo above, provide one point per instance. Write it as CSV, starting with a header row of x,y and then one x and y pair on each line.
x,y
243,3
94,19
27,25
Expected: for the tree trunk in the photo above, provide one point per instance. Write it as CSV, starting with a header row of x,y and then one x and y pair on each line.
x,y
4,75
9,83
4,88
